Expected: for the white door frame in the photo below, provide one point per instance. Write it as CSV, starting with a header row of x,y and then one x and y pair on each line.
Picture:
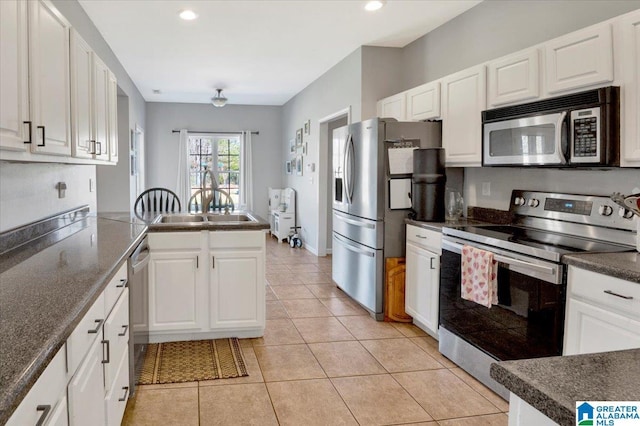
x,y
323,176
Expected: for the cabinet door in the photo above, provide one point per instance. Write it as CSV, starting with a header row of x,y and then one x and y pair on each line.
x,y
514,78
463,100
60,416
423,102
630,140
101,108
116,397
393,107
112,118
175,291
81,94
14,74
116,332
49,79
422,285
591,329
237,290
579,59
86,390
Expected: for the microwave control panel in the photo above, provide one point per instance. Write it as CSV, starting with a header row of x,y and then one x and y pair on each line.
x,y
585,135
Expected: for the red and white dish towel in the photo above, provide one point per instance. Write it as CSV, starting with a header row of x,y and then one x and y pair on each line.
x,y
479,276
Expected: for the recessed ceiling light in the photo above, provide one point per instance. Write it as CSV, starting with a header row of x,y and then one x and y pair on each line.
x,y
188,15
374,5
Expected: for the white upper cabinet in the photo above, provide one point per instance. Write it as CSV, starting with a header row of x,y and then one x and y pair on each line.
x,y
393,107
463,100
49,79
112,118
423,102
101,108
579,59
514,78
630,128
14,52
81,96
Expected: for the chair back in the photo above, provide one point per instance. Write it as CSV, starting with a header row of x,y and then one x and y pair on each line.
x,y
220,200
161,200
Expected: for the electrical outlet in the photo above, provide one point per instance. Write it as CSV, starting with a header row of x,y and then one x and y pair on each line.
x,y
486,188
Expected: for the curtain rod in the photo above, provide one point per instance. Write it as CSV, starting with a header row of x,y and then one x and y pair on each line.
x,y
214,133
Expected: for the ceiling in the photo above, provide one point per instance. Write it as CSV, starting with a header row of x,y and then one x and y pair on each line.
x,y
261,52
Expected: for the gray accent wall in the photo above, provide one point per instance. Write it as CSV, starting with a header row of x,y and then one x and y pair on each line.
x,y
162,145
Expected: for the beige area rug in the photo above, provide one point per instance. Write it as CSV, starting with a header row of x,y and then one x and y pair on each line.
x,y
191,361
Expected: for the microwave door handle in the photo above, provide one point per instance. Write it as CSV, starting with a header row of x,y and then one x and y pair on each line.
x,y
560,134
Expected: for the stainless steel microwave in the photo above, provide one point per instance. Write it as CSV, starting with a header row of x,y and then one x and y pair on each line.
x,y
577,130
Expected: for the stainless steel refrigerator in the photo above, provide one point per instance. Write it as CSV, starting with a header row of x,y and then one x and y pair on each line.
x,y
371,198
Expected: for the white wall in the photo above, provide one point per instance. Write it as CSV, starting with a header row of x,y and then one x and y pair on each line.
x,y
382,73
337,89
28,191
162,145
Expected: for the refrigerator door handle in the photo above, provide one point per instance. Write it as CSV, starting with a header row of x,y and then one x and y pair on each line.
x,y
350,151
344,169
352,247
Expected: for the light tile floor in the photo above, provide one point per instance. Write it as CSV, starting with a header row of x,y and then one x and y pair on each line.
x,y
324,361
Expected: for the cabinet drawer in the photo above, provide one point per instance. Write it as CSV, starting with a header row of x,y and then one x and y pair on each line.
x,y
115,287
116,332
175,240
87,330
431,240
116,398
236,239
48,391
598,288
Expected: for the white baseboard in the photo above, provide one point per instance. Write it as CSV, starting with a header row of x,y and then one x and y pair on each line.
x,y
311,249
328,251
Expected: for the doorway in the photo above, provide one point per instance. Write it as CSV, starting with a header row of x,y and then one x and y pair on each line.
x,y
325,173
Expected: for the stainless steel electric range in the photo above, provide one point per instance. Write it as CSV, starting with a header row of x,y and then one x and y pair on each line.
x,y
528,321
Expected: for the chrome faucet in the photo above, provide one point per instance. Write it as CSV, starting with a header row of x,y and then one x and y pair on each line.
x,y
209,193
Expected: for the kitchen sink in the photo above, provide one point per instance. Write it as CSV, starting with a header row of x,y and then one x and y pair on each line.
x,y
182,218
229,218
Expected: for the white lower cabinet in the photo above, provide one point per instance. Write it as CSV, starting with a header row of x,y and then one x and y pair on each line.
x,y
175,291
47,398
86,390
117,395
422,283
603,313
216,290
60,415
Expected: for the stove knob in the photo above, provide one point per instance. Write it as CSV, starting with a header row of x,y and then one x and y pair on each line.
x,y
519,201
533,202
627,214
605,210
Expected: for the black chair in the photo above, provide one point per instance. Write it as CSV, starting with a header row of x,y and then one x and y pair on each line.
x,y
220,200
160,200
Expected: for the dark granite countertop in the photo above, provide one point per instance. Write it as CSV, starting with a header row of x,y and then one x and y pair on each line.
x,y
44,292
625,266
553,385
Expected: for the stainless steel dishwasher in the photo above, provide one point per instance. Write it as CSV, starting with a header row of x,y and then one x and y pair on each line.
x,y
138,310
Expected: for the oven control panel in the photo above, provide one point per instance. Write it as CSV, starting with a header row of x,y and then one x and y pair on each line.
x,y
583,209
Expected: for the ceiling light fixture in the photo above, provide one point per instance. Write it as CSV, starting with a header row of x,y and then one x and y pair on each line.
x,y
188,15
219,99
374,5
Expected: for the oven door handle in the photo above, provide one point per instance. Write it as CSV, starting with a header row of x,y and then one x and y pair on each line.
x,y
457,248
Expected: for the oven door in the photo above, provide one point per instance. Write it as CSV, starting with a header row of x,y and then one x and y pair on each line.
x,y
539,141
527,322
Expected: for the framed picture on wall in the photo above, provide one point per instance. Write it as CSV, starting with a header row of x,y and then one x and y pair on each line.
x,y
298,137
292,146
307,127
299,165
287,167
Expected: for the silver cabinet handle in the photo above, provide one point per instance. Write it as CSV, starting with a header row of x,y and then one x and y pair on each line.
x,y
106,361
126,391
45,412
619,295
431,262
44,138
95,330
123,283
30,124
124,332
420,236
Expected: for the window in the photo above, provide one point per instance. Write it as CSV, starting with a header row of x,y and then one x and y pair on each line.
x,y
221,155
